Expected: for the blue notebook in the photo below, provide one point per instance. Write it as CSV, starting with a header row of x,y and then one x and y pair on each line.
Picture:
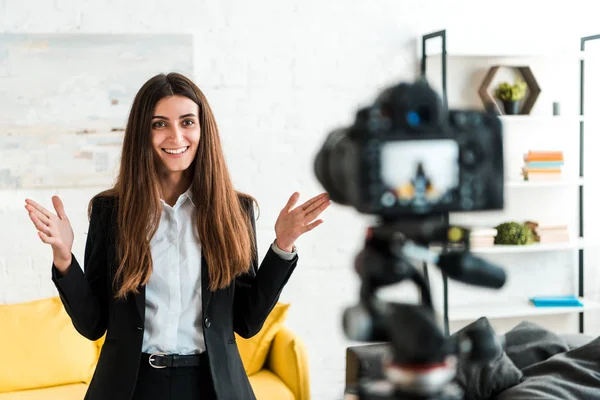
x,y
556,301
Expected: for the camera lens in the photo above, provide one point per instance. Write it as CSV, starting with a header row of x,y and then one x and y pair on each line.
x,y
330,171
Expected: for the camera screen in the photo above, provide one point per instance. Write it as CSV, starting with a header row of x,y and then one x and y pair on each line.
x,y
420,171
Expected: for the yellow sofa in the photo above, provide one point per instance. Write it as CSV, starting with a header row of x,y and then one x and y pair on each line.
x,y
42,357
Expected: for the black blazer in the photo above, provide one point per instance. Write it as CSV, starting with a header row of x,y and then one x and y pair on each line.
x,y
88,298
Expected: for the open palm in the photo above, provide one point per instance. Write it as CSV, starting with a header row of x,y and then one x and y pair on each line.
x,y
294,222
53,229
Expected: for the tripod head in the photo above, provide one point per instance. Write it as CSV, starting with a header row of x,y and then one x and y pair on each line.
x,y
421,361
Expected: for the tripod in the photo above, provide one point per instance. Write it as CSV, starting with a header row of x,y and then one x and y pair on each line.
x,y
421,361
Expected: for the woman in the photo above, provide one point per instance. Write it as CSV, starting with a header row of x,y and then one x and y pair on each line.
x,y
170,258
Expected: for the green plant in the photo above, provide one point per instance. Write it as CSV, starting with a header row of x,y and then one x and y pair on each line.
x,y
513,233
507,92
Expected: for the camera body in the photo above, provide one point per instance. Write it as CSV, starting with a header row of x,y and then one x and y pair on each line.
x,y
405,155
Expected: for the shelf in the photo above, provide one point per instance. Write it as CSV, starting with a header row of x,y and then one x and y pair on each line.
x,y
529,248
540,118
541,184
575,55
512,310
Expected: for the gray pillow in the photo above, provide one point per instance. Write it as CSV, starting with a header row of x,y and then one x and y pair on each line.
x,y
576,340
574,375
481,381
527,344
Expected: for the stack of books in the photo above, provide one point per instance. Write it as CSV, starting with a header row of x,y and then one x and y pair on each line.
x,y
543,165
482,237
549,232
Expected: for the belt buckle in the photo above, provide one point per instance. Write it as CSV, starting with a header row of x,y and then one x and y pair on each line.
x,y
152,356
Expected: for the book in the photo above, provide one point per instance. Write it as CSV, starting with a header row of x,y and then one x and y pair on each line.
x,y
543,177
479,232
481,242
544,164
545,152
530,171
564,238
549,232
542,158
555,301
551,226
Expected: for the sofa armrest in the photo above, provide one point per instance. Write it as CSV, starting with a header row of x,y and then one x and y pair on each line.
x,y
288,359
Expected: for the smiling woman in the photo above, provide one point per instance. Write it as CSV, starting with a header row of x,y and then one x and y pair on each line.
x,y
175,136
171,265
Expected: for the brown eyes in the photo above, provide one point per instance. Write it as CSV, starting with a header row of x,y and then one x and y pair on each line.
x,y
162,124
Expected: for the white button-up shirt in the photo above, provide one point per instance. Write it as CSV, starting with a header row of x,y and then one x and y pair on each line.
x,y
173,322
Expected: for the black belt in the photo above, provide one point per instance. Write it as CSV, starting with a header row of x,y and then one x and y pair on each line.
x,y
164,360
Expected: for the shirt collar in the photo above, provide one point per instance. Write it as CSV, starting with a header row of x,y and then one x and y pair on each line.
x,y
188,194
182,197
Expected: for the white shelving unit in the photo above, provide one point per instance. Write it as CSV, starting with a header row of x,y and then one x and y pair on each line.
x,y
575,55
540,184
515,309
530,248
539,118
472,67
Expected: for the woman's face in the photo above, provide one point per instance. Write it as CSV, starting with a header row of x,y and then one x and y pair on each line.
x,y
175,133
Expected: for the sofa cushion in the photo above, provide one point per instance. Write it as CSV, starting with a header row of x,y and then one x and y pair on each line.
x,y
47,350
288,359
268,386
65,392
254,350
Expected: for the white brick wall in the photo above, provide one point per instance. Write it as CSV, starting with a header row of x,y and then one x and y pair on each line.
x,y
279,75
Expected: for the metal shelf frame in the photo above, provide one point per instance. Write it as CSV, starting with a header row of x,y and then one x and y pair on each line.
x,y
444,70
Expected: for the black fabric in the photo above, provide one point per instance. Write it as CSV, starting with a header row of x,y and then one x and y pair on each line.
x,y
550,366
184,383
533,364
482,380
576,340
574,374
88,298
528,343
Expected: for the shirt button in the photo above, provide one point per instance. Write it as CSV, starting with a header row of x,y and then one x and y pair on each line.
x,y
207,322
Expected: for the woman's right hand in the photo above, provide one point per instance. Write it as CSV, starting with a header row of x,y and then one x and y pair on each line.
x,y
53,229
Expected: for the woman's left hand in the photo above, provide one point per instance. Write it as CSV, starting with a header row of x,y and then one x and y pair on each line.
x,y
292,223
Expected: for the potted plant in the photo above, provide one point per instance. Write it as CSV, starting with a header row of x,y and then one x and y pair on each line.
x,y
511,95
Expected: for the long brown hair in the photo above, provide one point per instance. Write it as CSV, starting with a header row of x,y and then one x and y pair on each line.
x,y
221,213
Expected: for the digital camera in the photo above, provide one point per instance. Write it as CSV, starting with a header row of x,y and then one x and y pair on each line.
x,y
406,155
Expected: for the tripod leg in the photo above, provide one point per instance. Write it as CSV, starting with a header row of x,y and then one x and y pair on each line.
x,y
446,323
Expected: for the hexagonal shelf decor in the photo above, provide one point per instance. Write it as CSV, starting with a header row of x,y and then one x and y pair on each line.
x,y
490,103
